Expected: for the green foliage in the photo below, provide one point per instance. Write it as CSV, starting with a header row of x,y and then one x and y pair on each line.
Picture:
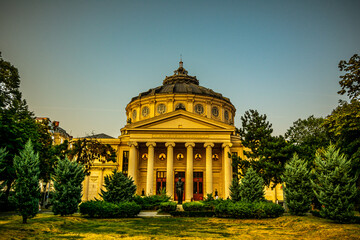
x,y
68,178
251,187
350,82
235,189
194,206
168,206
17,125
244,210
86,150
27,191
151,202
266,154
307,136
3,154
298,190
102,209
344,126
118,188
334,185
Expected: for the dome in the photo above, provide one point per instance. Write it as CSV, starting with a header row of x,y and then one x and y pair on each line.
x,y
181,82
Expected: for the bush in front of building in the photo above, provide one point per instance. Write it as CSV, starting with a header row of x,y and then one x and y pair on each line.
x,y
68,178
119,188
102,209
245,210
168,206
151,202
194,206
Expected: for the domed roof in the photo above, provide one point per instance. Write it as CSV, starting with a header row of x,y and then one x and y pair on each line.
x,y
181,82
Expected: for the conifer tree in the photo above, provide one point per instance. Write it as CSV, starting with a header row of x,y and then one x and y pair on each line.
x,y
298,190
118,188
68,178
251,187
27,189
235,190
334,185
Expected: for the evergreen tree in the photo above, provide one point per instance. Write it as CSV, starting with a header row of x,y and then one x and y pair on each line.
x,y
27,189
298,190
235,190
251,187
118,188
334,185
68,178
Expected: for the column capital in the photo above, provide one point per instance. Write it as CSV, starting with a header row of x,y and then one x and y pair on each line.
x,y
209,144
190,144
135,144
228,144
148,144
170,144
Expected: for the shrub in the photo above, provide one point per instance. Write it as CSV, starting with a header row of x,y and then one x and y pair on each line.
x,y
68,179
334,186
235,189
151,202
118,188
102,209
298,190
194,206
248,210
168,206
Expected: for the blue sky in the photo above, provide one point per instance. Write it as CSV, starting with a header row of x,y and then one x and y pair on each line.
x,y
81,62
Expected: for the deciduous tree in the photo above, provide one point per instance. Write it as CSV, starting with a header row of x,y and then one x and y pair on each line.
x,y
350,81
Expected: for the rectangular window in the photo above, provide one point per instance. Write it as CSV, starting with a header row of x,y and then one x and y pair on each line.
x,y
125,165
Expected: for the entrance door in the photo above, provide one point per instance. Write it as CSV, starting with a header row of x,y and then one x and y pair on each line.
x,y
177,175
198,186
160,182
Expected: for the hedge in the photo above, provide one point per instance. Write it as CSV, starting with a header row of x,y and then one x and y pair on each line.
x,y
151,202
168,206
102,209
248,210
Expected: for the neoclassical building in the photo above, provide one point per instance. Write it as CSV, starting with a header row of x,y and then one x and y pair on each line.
x,y
179,129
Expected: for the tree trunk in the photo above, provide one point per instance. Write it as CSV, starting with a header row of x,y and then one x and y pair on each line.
x,y
24,219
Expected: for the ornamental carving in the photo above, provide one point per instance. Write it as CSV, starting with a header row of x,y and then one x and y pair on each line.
x,y
162,156
144,156
215,157
180,157
198,157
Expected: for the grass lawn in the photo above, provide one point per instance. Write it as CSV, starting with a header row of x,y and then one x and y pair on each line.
x,y
48,226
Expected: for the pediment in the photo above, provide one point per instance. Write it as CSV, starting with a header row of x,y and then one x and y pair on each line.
x,y
180,120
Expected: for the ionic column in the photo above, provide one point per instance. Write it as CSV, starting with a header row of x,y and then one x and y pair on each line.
x,y
209,169
170,169
150,169
227,169
189,176
132,161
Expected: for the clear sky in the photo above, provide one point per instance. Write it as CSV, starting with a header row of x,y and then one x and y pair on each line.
x,y
81,61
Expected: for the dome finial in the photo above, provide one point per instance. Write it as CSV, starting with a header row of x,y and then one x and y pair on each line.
x,y
181,62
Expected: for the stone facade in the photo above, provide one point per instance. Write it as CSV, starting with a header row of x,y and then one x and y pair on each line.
x,y
179,129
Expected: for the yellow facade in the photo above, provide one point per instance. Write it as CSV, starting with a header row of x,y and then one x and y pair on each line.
x,y
177,129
